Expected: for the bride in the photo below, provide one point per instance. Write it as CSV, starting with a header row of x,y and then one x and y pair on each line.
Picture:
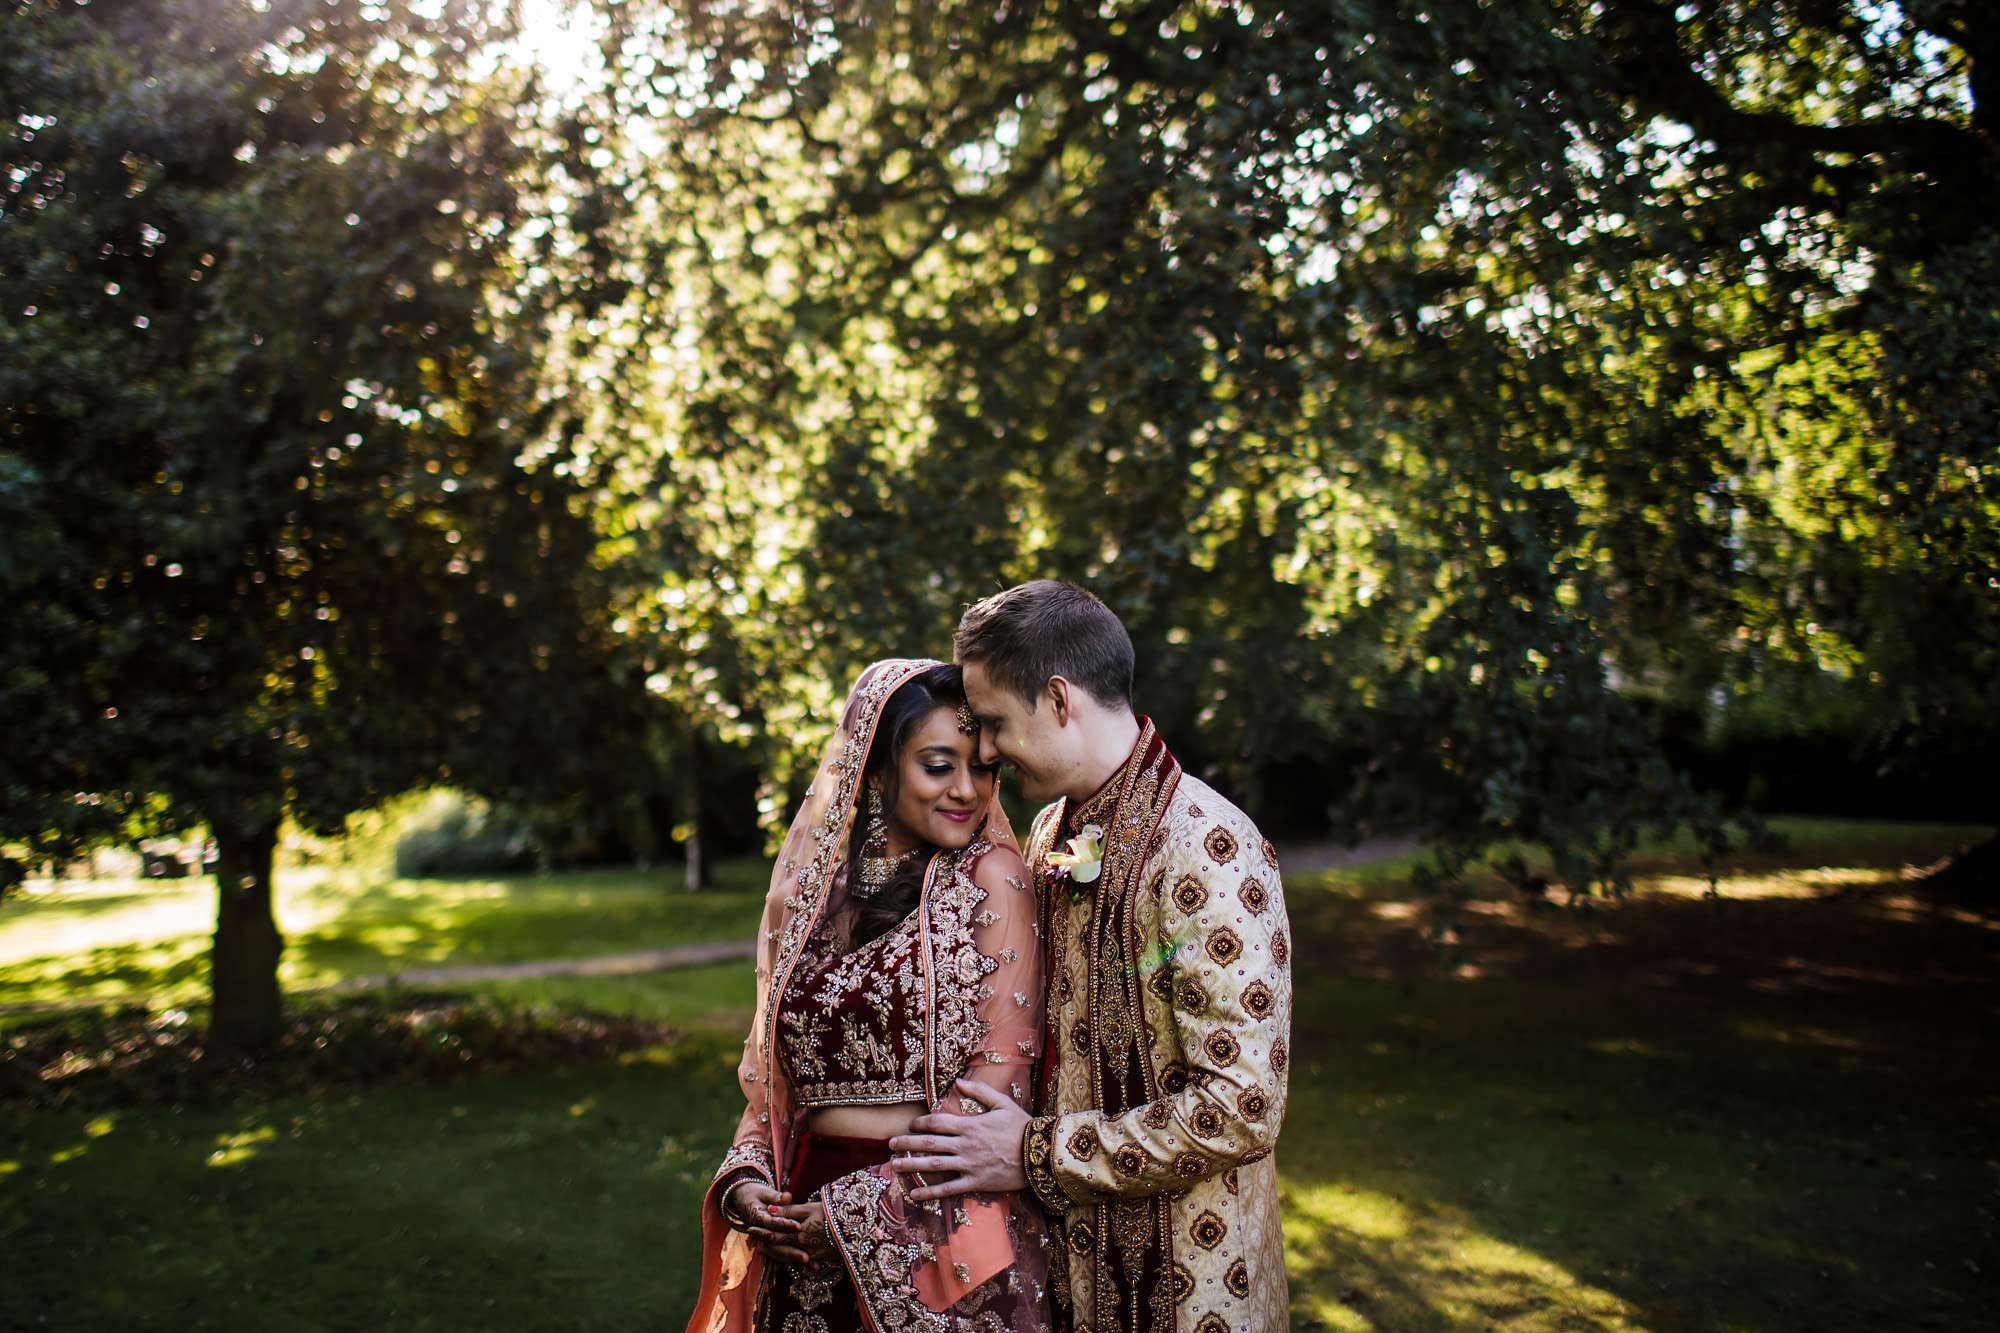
x,y
899,971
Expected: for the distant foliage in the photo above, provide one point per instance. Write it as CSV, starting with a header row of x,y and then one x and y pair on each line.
x,y
282,530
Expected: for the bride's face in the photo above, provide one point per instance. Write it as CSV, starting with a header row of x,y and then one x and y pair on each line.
x,y
942,785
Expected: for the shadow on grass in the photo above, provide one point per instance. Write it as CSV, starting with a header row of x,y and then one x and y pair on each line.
x,y
561,1199
155,972
1775,1112
1529,1170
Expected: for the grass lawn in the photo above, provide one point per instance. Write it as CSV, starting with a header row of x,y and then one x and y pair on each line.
x,y
1778,1113
147,941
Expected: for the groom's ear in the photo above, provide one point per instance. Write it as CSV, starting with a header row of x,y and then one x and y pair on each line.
x,y
1057,691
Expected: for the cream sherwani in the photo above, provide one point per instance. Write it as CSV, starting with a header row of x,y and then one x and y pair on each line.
x,y
1169,1011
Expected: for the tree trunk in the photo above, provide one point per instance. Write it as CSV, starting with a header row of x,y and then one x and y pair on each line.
x,y
246,1008
697,868
697,864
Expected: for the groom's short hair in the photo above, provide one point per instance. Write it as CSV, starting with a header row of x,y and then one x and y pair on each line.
x,y
1045,628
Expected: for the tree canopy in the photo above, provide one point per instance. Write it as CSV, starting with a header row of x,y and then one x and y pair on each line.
x,y
1458,401
284,534
1440,392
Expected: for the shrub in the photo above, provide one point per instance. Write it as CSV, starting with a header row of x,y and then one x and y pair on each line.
x,y
453,833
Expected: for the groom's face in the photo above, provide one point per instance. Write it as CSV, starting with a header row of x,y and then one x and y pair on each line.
x,y
1027,740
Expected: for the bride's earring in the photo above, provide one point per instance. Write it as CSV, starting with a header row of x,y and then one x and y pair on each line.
x,y
877,867
875,838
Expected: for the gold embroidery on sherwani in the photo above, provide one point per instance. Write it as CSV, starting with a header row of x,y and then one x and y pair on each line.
x,y
1134,1236
1140,788
1190,1126
1116,1027
1037,1150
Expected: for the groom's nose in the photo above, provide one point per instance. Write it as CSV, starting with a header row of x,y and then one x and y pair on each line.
x,y
989,753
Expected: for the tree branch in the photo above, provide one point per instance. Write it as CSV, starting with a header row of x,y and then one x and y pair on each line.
x,y
1644,42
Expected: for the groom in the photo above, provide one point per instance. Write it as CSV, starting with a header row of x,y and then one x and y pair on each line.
x,y
1169,994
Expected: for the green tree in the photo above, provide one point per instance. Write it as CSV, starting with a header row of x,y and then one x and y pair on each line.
x,y
1407,374
288,523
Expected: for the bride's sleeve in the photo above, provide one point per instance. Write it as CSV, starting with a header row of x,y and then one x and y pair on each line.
x,y
1006,934
978,1258
750,1149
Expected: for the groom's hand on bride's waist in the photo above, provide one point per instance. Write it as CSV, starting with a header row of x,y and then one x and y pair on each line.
x,y
972,1152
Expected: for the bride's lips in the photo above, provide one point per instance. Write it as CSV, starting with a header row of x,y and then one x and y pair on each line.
x,y
957,816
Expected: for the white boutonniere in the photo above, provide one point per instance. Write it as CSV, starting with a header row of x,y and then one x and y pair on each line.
x,y
1083,862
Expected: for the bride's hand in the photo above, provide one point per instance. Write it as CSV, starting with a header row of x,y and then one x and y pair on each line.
x,y
764,1220
815,1246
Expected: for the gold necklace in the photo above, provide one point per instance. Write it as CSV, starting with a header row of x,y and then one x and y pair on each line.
x,y
875,873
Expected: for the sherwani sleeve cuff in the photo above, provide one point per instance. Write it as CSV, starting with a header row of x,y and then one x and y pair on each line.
x,y
1038,1154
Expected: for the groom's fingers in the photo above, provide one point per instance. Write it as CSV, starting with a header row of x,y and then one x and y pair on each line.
x,y
936,1162
991,1098
945,1189
924,1143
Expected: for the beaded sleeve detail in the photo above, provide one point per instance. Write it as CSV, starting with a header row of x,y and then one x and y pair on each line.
x,y
1038,1164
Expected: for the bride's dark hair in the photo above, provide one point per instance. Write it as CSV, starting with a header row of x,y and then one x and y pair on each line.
x,y
902,713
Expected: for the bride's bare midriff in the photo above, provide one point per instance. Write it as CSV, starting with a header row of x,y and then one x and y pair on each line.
x,y
865,1122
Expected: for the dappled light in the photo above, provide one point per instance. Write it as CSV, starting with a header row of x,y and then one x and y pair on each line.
x,y
1419,1265
1814,883
66,949
1530,1139
237,1148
